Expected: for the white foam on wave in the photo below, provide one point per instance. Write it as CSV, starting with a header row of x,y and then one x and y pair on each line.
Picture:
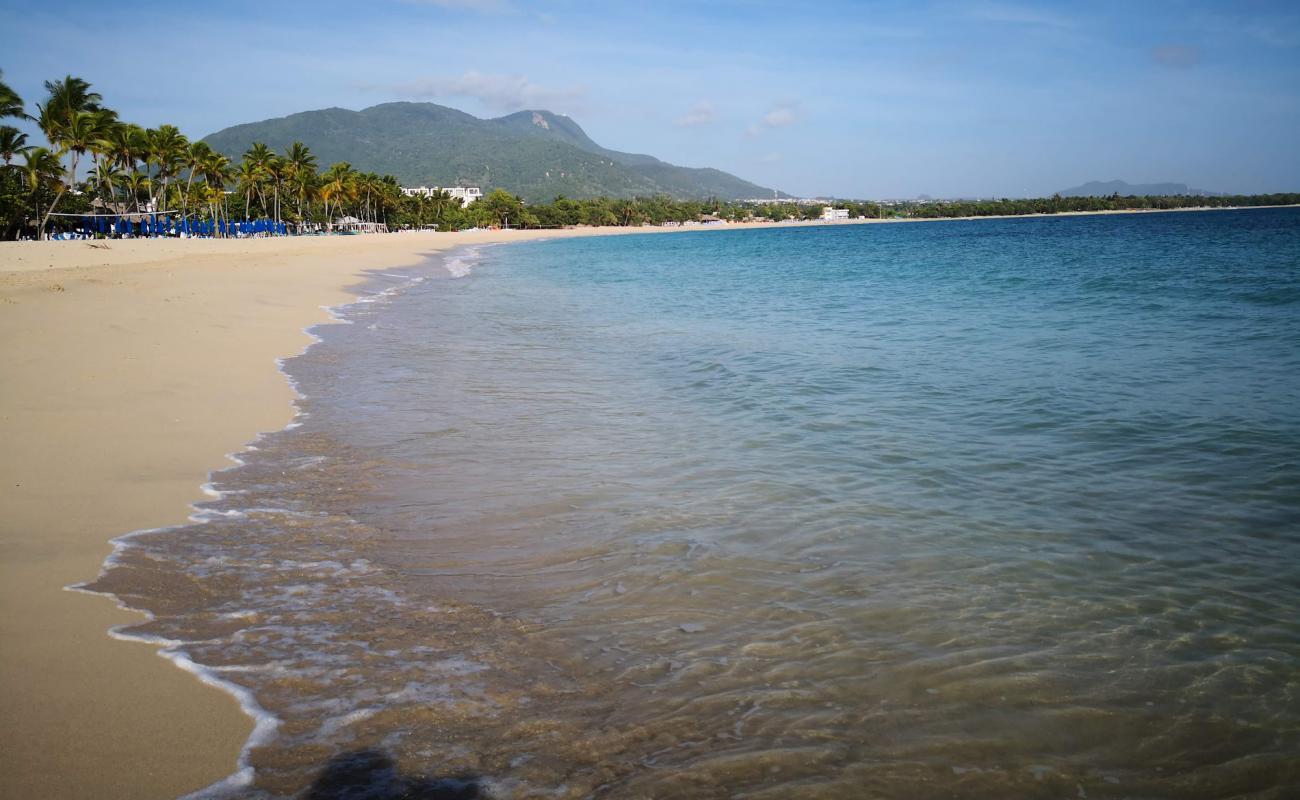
x,y
265,723
461,262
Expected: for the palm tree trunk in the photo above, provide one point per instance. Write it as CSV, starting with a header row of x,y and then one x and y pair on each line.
x,y
50,211
185,196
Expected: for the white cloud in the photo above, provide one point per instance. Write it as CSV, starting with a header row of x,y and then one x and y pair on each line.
x,y
772,158
779,117
499,92
702,113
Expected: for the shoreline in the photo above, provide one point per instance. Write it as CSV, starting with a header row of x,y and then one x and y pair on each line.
x,y
264,723
133,373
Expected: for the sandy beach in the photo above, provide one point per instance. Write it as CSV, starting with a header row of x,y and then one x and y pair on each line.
x,y
130,371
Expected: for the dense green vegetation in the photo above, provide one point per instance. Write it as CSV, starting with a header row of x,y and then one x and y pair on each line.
x,y
537,155
95,162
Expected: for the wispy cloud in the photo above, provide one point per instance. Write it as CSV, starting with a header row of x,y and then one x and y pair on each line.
x,y
488,6
702,113
1281,30
779,117
771,158
499,92
1179,56
1019,15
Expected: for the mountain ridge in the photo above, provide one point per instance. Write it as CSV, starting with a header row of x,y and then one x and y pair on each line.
x,y
534,153
1123,188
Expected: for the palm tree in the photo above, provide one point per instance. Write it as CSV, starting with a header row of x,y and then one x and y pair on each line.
x,y
66,99
11,105
42,174
106,180
336,187
136,183
124,144
70,124
166,147
306,188
301,169
440,202
196,155
258,157
365,185
12,142
216,172
251,178
103,122
276,169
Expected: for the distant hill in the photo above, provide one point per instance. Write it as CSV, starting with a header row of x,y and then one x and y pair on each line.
x,y
1107,188
536,154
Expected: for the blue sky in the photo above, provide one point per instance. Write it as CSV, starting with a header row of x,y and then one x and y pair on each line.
x,y
851,99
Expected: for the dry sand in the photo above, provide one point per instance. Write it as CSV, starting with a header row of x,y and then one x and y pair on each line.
x,y
126,376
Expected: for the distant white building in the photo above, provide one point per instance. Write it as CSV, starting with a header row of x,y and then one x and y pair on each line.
x,y
835,214
465,194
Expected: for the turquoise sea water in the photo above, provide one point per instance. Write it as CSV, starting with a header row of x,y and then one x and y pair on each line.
x,y
977,509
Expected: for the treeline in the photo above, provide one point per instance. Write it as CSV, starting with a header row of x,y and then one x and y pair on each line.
x,y
1059,205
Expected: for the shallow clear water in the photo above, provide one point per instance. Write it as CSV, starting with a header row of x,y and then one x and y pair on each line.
x,y
978,509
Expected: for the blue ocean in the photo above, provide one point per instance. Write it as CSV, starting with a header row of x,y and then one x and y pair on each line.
x,y
990,508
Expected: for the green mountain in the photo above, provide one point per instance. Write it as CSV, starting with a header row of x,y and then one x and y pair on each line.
x,y
535,154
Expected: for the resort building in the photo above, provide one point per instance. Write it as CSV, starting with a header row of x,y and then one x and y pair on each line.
x,y
465,194
835,214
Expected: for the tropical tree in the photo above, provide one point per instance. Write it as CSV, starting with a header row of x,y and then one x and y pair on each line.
x,y
165,149
276,170
300,174
11,105
106,180
216,171
124,145
258,158
501,207
12,142
136,183
336,188
66,99
70,124
196,155
250,179
42,175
